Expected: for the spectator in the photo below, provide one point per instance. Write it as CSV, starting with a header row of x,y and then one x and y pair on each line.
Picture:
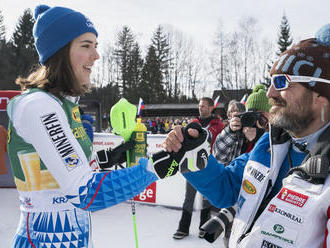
x,y
235,139
160,127
215,126
153,127
231,138
167,125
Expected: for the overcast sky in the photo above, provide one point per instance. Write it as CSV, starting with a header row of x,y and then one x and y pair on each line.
x,y
195,18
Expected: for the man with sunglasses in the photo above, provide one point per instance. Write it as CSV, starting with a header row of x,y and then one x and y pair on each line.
x,y
282,187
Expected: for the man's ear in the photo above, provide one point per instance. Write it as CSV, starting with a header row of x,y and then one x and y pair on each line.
x,y
323,103
320,100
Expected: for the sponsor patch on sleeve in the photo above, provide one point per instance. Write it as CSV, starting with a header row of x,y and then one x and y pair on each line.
x,y
287,214
292,197
249,187
60,141
257,174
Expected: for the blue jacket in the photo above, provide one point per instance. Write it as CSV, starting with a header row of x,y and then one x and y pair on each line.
x,y
224,182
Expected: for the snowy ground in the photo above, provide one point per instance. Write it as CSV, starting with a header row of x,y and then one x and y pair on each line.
x,y
113,227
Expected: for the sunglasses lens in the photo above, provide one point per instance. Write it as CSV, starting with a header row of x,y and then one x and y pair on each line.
x,y
280,82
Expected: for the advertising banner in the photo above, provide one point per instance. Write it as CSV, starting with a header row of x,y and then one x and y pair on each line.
x,y
6,178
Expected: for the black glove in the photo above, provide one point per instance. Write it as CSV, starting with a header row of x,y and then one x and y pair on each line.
x,y
192,156
110,157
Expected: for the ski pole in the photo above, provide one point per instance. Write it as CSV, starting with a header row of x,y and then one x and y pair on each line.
x,y
122,118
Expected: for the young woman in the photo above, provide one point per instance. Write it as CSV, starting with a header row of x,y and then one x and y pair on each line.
x,y
48,147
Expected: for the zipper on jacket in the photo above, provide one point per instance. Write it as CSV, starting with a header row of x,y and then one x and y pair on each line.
x,y
256,212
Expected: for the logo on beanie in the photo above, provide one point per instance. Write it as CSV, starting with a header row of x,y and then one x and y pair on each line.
x,y
295,64
312,84
89,23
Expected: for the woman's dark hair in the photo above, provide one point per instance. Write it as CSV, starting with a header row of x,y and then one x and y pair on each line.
x,y
56,76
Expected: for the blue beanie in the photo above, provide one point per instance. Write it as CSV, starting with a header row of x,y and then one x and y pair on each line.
x,y
55,27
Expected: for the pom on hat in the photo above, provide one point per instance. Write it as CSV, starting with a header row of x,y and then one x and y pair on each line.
x,y
259,87
56,27
39,10
258,100
323,35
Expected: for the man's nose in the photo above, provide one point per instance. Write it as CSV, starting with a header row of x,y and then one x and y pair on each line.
x,y
272,92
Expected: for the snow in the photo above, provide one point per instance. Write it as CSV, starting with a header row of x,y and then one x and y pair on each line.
x,y
113,227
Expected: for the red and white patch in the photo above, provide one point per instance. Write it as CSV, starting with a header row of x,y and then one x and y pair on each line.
x,y
272,208
292,197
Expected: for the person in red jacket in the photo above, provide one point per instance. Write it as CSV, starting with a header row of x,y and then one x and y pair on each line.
x,y
206,119
215,126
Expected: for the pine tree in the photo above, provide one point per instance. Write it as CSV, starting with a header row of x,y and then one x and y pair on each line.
x,y
122,53
151,86
7,65
162,49
135,66
25,53
284,39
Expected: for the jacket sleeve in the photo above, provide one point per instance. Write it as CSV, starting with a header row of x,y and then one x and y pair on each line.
x,y
219,184
224,146
84,188
105,189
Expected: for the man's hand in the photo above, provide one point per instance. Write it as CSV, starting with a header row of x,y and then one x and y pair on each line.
x,y
173,141
235,122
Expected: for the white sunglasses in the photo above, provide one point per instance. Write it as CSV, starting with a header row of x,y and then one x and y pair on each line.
x,y
282,81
